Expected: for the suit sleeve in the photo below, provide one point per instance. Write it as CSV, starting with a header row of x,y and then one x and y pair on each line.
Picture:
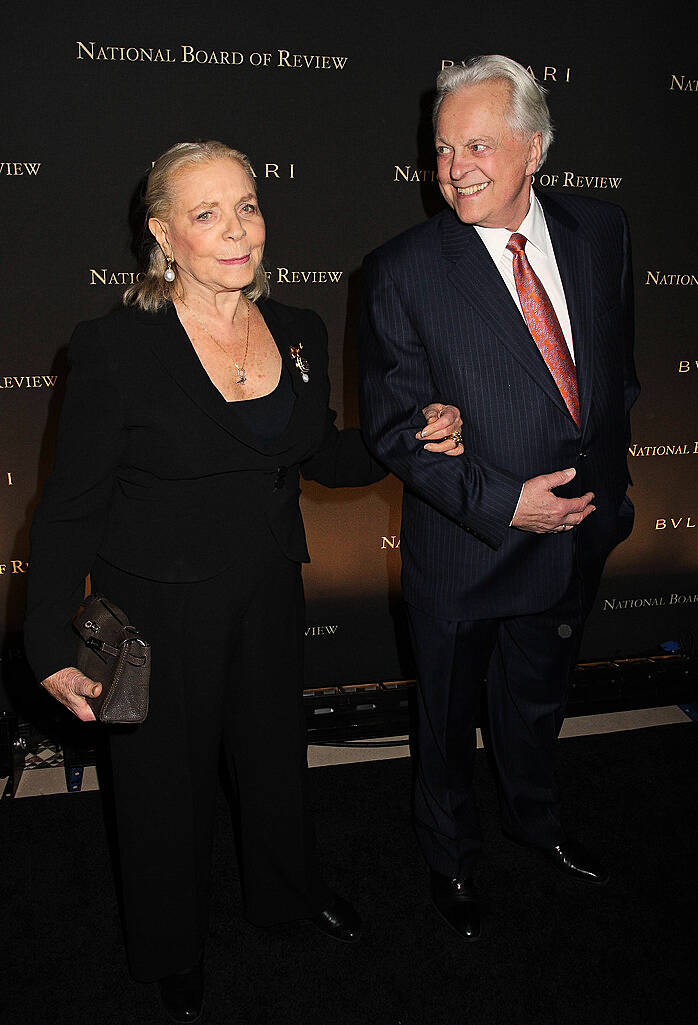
x,y
395,375
71,517
342,459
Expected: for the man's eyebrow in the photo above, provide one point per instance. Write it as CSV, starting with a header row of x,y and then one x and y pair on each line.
x,y
475,138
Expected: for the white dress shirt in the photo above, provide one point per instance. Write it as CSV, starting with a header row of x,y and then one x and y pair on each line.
x,y
539,250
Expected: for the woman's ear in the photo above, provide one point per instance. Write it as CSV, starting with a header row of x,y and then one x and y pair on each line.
x,y
159,230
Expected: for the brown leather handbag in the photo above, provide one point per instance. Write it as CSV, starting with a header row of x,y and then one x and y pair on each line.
x,y
112,652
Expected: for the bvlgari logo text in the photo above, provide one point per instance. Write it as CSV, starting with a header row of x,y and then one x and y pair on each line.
x,y
269,170
13,567
687,365
572,180
10,479
658,277
286,276
33,381
546,73
272,170
683,84
686,449
190,54
653,602
675,523
15,168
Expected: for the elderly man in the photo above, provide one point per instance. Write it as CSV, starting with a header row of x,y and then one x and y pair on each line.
x,y
519,308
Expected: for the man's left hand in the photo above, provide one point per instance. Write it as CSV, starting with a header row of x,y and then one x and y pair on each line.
x,y
443,422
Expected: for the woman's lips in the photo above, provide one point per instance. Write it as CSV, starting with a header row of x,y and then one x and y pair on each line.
x,y
236,261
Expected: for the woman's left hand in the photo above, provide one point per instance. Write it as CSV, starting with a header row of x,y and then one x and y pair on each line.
x,y
442,430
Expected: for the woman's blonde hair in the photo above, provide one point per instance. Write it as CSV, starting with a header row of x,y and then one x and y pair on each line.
x,y
152,291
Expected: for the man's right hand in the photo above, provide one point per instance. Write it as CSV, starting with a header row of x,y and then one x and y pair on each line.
x,y
71,687
541,512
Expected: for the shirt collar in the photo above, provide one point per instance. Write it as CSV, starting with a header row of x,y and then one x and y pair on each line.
x,y
532,227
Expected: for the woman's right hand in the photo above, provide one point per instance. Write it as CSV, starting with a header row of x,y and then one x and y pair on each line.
x,y
71,687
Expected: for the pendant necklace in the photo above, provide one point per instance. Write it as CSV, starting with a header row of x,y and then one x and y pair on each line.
x,y
239,367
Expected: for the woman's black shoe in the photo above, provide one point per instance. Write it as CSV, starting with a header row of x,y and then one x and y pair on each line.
x,y
182,994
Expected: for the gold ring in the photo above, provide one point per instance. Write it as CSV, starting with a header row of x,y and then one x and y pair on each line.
x,y
457,437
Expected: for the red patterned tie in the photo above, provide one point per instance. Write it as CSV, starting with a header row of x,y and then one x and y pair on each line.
x,y
544,326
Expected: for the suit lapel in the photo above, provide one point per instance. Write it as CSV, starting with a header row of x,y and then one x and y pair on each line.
x,y
174,350
475,275
574,261
282,323
172,347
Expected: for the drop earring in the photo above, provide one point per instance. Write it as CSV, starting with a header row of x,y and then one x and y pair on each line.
x,y
169,274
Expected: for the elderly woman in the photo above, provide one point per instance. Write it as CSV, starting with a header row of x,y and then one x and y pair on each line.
x,y
188,417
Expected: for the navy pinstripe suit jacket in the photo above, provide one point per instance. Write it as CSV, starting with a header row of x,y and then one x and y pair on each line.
x,y
437,319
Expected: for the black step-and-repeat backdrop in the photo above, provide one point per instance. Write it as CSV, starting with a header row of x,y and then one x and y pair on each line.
x,y
332,105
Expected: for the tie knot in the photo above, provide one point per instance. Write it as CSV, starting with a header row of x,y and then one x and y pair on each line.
x,y
517,243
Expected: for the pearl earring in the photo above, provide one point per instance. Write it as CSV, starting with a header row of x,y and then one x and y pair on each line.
x,y
169,274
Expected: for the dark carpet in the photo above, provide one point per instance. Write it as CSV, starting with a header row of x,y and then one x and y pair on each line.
x,y
553,953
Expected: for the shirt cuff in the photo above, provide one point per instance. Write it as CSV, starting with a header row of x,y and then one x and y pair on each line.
x,y
517,504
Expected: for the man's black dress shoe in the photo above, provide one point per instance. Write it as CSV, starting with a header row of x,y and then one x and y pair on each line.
x,y
456,901
574,861
339,920
182,994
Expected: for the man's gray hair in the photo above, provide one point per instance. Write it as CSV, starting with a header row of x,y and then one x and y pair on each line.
x,y
528,111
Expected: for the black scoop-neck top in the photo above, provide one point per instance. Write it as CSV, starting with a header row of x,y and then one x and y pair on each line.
x,y
267,416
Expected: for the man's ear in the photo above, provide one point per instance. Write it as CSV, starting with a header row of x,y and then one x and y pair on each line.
x,y
535,152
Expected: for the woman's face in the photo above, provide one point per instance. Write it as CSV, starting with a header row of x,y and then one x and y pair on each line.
x,y
215,232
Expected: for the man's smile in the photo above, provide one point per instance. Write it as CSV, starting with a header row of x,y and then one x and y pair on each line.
x,y
471,190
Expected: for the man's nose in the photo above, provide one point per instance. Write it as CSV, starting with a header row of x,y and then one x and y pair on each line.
x,y
460,165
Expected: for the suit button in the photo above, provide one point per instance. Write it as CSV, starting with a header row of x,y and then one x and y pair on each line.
x,y
280,478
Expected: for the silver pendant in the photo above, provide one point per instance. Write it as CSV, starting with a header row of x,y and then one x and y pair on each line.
x,y
301,363
242,376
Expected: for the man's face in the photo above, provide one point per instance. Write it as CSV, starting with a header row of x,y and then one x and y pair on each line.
x,y
484,169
